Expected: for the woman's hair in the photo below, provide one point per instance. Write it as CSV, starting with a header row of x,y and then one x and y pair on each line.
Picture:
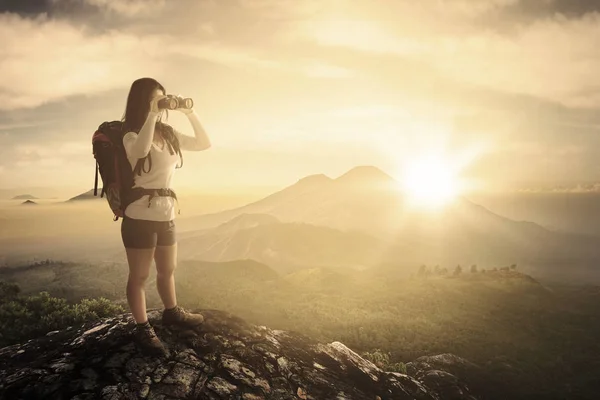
x,y
138,102
137,109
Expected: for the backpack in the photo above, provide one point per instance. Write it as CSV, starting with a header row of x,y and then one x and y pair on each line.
x,y
116,172
113,166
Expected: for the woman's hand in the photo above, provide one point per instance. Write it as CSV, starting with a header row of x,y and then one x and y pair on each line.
x,y
154,103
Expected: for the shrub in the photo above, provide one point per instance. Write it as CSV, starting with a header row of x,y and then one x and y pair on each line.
x,y
23,318
382,360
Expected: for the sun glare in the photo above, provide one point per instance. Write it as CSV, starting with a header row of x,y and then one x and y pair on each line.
x,y
430,183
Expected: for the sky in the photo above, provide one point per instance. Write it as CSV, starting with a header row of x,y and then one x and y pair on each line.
x,y
507,91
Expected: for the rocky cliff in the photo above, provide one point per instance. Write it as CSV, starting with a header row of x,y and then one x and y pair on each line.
x,y
226,358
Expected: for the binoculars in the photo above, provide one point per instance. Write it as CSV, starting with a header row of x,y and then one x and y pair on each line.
x,y
173,102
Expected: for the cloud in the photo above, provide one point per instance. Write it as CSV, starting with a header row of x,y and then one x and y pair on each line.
x,y
576,189
129,7
319,69
552,57
52,59
49,60
209,28
37,153
311,73
57,55
283,10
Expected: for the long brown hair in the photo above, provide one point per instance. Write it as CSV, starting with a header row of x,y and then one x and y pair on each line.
x,y
136,112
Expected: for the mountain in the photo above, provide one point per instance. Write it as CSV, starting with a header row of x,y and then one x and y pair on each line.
x,y
24,197
275,204
89,195
41,192
366,200
224,358
353,201
367,176
285,247
559,211
509,324
361,218
28,202
363,199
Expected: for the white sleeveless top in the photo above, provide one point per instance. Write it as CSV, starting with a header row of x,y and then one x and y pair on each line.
x,y
160,176
137,145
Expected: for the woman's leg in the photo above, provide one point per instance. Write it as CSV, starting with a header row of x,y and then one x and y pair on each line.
x,y
139,261
139,238
166,261
165,258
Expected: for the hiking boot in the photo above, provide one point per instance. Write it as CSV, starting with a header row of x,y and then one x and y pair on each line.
x,y
178,316
146,338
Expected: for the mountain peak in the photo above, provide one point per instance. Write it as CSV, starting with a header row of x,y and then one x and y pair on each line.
x,y
225,357
314,179
365,174
89,195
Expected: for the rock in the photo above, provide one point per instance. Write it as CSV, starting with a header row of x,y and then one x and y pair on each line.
x,y
452,377
225,358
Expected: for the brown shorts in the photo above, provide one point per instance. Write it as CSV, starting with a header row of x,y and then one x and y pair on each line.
x,y
144,234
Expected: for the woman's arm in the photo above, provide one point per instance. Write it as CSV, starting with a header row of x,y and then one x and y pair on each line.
x,y
138,146
200,141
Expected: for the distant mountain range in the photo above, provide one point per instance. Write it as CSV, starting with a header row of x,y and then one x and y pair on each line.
x,y
286,247
362,219
364,199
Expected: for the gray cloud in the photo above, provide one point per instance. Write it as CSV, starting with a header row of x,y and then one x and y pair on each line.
x,y
536,9
25,7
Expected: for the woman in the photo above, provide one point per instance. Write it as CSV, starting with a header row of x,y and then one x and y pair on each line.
x,y
148,227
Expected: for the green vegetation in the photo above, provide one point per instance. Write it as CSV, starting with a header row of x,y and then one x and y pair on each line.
x,y
26,317
540,340
382,360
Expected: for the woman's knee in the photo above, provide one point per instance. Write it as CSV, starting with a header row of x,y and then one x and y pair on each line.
x,y
165,273
140,261
165,258
137,279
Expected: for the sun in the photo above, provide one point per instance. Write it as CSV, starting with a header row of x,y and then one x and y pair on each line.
x,y
430,182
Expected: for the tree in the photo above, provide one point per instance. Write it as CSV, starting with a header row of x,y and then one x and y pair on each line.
x,y
513,267
8,291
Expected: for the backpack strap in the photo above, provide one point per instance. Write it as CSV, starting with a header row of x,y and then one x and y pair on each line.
x,y
96,180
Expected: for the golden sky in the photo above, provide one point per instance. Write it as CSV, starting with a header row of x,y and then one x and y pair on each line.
x,y
507,89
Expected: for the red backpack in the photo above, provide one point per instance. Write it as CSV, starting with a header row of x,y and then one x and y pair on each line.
x,y
112,163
